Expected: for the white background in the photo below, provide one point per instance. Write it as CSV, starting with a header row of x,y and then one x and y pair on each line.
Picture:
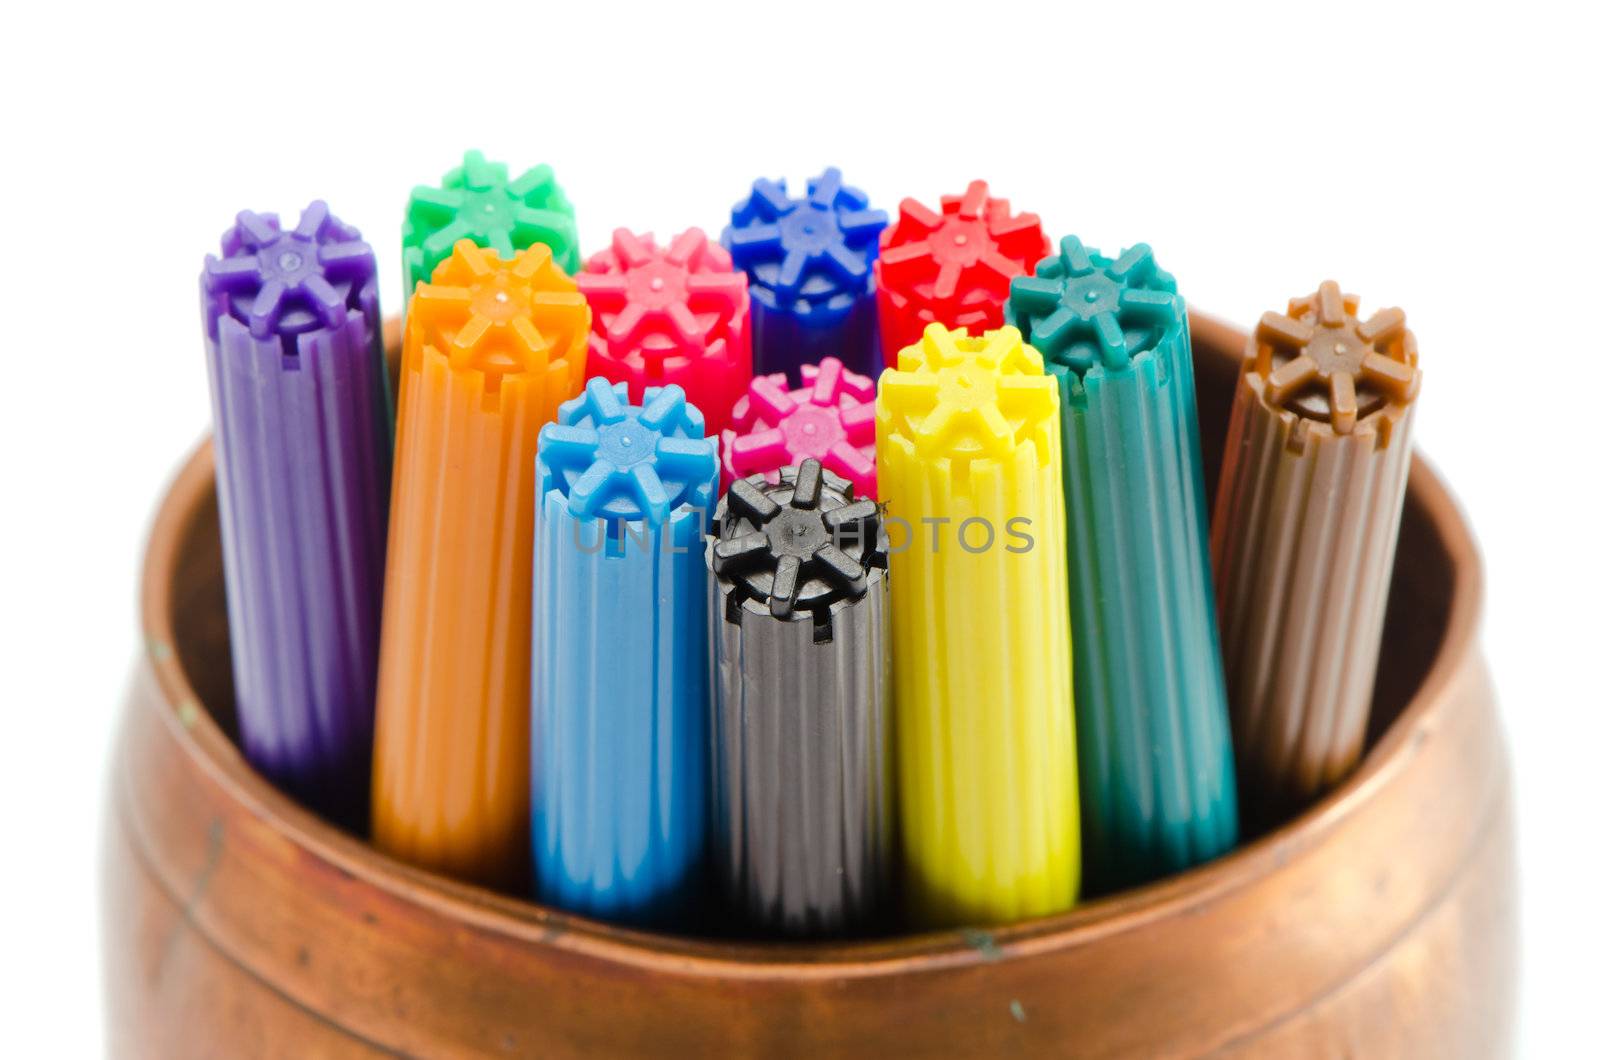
x,y
1441,160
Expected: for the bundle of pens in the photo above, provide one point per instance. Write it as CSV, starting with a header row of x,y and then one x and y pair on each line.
x,y
849,574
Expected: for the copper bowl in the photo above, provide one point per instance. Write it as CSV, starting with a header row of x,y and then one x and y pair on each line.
x,y
1381,922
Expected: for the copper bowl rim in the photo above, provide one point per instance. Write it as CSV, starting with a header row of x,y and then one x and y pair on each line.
x,y
536,925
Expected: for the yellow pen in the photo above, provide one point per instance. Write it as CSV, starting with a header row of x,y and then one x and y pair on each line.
x,y
969,468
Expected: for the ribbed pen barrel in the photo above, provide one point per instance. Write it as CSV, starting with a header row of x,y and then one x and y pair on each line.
x,y
1308,517
809,260
621,661
300,402
969,471
800,725
491,350
1154,747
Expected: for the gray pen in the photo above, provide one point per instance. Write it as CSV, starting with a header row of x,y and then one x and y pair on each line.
x,y
801,751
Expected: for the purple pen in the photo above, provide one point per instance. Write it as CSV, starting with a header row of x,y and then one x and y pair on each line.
x,y
304,436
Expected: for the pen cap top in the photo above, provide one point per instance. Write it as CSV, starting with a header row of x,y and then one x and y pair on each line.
x,y
965,397
965,253
478,201
1320,361
809,252
499,316
801,544
287,282
653,303
831,417
1081,308
617,461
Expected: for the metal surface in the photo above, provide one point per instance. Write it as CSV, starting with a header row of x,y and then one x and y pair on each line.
x,y
800,724
235,922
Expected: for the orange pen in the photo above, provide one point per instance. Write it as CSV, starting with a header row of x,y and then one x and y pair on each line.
x,y
492,348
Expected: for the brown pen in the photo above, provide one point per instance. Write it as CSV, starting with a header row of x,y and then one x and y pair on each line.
x,y
1304,533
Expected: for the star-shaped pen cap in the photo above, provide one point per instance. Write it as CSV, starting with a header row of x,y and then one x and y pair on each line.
x,y
831,418
1321,362
632,463
961,397
954,265
1083,310
287,282
801,545
811,253
661,305
479,201
501,317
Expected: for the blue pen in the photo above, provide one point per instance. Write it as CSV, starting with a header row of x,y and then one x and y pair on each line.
x,y
620,658
809,260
